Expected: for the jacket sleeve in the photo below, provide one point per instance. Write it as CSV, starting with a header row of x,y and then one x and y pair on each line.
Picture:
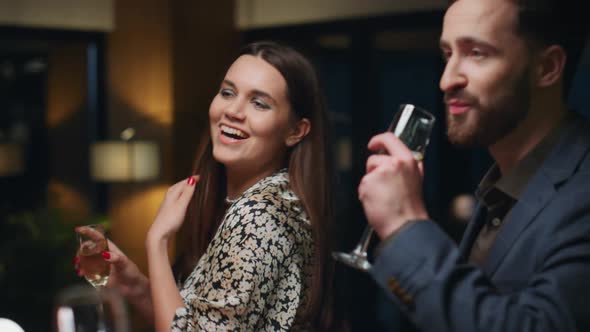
x,y
421,271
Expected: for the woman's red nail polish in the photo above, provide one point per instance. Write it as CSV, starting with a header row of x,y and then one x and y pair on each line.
x,y
76,259
106,255
191,180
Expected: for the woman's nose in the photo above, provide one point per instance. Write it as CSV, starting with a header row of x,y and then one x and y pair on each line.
x,y
235,110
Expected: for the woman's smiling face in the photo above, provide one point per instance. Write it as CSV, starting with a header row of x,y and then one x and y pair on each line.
x,y
250,117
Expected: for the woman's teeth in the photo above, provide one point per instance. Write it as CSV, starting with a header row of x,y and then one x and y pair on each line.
x,y
233,133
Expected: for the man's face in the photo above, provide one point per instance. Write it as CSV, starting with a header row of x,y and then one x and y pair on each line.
x,y
487,77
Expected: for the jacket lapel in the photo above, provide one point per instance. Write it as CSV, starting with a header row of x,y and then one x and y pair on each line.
x,y
538,193
557,168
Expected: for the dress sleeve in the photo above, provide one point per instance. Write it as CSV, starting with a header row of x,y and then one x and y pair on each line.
x,y
245,259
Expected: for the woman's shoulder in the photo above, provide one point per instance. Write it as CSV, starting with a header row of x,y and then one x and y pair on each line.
x,y
275,186
274,190
273,195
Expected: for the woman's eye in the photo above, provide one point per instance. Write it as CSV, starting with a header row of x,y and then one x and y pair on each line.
x,y
226,93
259,104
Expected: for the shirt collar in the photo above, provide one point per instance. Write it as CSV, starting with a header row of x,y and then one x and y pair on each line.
x,y
514,181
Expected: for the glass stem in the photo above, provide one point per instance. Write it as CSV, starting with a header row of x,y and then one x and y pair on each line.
x,y
100,326
361,248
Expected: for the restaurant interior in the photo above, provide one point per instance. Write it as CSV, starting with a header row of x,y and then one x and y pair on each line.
x,y
102,103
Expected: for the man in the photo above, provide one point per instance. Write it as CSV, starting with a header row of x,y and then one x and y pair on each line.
x,y
524,261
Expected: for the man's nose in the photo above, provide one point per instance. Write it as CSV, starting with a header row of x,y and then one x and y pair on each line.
x,y
453,77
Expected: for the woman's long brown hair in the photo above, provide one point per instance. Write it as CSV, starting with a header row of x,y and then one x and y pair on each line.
x,y
309,174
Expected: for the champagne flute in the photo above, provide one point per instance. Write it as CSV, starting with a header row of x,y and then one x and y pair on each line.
x,y
412,125
91,244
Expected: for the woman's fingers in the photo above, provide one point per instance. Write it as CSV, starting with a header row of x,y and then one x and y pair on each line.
x,y
115,258
90,232
189,190
175,191
77,266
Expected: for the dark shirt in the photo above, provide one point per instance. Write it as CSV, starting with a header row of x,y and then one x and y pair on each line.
x,y
499,194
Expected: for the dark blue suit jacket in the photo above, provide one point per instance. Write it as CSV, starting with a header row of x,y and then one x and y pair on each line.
x,y
537,276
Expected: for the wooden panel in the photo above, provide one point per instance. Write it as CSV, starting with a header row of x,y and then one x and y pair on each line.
x,y
139,76
88,15
205,43
266,13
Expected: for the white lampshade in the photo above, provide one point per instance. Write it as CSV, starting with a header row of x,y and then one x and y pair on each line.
x,y
122,161
11,159
8,325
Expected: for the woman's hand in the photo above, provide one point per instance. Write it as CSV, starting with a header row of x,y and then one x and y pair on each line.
x,y
127,279
125,275
165,294
172,211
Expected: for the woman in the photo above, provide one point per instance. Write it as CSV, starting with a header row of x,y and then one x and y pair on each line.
x,y
257,227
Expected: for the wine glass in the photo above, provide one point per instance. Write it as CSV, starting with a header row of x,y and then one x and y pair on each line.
x,y
412,125
82,309
91,244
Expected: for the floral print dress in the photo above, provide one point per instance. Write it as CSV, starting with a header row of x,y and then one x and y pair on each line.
x,y
255,274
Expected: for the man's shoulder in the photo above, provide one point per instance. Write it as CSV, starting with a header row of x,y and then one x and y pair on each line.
x,y
580,131
574,142
579,122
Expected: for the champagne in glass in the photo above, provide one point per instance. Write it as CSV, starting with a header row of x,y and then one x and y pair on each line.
x,y
412,125
92,242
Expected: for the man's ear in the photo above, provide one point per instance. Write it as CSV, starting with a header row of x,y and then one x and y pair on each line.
x,y
550,66
298,132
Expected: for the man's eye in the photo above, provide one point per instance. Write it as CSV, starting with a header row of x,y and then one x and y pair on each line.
x,y
446,55
476,53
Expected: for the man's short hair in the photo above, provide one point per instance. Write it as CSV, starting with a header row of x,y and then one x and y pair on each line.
x,y
554,22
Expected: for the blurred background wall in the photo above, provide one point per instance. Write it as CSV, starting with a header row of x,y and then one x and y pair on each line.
x,y
73,73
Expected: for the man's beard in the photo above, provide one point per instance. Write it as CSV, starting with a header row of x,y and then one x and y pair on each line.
x,y
484,127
